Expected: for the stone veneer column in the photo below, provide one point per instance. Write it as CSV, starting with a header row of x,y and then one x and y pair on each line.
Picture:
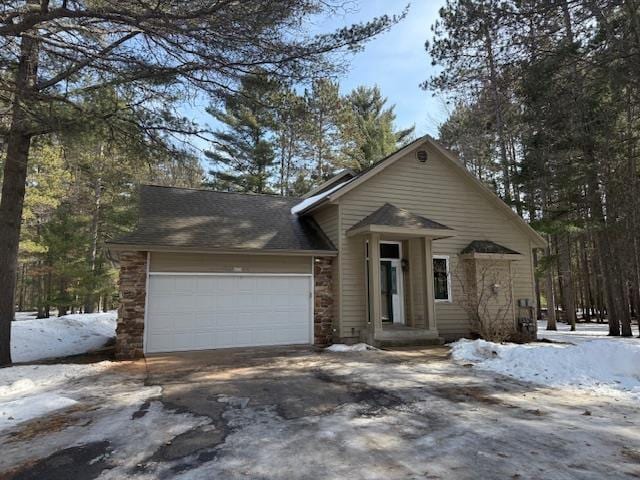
x,y
133,289
323,309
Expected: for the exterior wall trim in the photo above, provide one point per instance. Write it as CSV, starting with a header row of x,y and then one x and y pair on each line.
x,y
146,304
312,303
232,274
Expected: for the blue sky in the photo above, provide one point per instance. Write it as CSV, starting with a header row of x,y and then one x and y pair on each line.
x,y
396,61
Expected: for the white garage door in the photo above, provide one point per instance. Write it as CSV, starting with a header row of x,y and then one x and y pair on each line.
x,y
196,312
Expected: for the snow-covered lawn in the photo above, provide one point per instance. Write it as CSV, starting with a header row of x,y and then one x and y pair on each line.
x,y
37,339
585,359
584,332
28,392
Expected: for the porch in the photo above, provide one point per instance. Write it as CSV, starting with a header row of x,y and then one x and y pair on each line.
x,y
399,276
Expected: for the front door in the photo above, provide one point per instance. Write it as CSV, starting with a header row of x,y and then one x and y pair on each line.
x,y
391,294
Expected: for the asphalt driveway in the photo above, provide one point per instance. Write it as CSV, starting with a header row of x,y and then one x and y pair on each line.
x,y
298,413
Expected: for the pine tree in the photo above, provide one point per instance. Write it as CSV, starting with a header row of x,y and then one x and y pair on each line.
x,y
372,126
325,115
243,153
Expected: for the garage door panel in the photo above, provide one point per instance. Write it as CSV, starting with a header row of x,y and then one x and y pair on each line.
x,y
296,288
161,285
184,284
246,285
164,306
164,322
192,312
204,285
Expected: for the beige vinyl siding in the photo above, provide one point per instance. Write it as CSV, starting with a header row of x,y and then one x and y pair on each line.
x,y
223,263
327,219
436,190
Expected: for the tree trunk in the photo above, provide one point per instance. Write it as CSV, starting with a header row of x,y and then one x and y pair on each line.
x,y
21,293
586,282
13,188
497,107
604,258
551,302
537,286
90,300
566,280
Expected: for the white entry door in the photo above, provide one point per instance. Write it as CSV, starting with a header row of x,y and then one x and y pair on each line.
x,y
206,311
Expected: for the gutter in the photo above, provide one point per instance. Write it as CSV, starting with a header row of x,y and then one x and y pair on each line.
x,y
121,247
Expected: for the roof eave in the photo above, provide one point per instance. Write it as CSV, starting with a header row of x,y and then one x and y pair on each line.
x,y
492,256
314,207
433,233
335,179
120,247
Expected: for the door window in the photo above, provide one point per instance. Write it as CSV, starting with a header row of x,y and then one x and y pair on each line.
x,y
389,250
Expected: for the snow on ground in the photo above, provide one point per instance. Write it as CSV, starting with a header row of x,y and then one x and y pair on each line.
x,y
36,339
341,347
31,391
46,408
584,332
586,359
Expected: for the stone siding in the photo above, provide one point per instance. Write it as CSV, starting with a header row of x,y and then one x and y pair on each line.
x,y
324,305
133,288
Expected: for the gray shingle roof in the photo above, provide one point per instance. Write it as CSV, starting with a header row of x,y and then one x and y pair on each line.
x,y
393,216
180,217
487,246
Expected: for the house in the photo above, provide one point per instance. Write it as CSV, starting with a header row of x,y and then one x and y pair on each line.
x,y
386,256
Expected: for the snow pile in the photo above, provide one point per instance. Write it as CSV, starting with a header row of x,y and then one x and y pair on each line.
x,y
307,202
32,391
596,365
60,337
22,409
341,347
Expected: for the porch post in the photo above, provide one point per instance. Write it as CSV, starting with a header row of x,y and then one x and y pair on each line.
x,y
429,304
374,283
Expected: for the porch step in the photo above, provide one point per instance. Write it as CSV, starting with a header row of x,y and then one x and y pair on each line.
x,y
404,336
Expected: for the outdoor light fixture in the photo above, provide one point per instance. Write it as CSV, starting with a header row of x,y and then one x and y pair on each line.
x,y
495,288
404,263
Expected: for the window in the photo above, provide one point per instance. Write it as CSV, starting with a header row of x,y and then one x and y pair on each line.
x,y
441,279
389,250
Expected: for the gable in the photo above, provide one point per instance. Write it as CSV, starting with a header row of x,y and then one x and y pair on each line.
x,y
445,172
440,189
